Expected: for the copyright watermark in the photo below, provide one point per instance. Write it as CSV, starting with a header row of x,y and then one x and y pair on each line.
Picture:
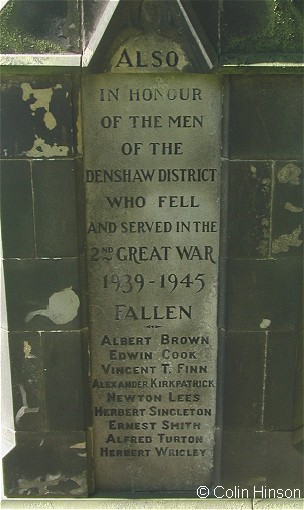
x,y
236,492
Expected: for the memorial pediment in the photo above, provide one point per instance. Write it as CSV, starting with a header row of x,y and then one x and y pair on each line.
x,y
149,36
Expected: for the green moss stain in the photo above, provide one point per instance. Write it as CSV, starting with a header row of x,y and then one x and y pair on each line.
x,y
14,39
280,30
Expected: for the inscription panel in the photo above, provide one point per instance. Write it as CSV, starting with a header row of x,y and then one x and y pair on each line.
x,y
152,148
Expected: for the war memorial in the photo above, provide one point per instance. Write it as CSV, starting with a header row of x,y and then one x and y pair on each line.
x,y
152,250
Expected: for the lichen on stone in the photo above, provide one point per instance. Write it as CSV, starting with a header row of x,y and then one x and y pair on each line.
x,y
289,173
14,38
278,28
292,208
286,241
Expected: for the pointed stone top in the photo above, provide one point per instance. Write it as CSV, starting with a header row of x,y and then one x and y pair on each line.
x,y
149,36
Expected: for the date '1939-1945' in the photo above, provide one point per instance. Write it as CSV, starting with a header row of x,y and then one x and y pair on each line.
x,y
127,283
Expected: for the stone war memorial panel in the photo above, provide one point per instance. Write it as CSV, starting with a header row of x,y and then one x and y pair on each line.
x,y
152,149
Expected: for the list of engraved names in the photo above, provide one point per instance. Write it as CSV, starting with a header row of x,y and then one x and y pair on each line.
x,y
152,147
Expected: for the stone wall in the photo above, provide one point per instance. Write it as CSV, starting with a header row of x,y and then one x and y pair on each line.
x,y
262,263
45,283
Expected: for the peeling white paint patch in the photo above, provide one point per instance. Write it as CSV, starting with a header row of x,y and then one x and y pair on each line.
x,y
78,445
286,241
24,409
41,148
27,350
289,173
41,484
43,98
292,208
46,485
62,308
265,323
81,454
253,170
49,120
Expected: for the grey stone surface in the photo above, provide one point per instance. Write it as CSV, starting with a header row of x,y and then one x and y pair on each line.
x,y
125,503
263,295
261,460
163,200
263,124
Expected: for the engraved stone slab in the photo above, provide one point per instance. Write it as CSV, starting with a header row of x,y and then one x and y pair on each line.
x,y
152,148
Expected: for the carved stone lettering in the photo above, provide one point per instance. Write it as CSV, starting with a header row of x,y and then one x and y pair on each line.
x,y
152,148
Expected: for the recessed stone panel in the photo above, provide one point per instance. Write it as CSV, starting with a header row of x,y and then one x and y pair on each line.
x,y
27,381
55,208
249,200
243,384
264,125
263,295
152,148
17,224
62,363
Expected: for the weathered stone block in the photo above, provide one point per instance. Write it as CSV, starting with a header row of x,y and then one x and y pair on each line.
x,y
27,381
257,460
266,26
47,465
38,118
55,208
65,380
263,295
42,294
249,200
17,223
243,383
280,381
263,125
